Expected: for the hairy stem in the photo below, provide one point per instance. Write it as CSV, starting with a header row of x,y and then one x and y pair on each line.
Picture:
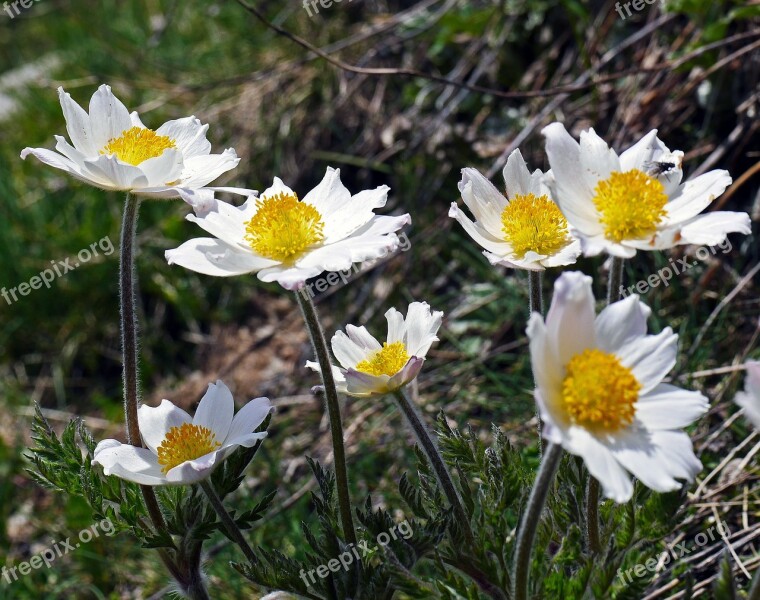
x,y
615,281
319,343
129,348
229,524
531,518
430,449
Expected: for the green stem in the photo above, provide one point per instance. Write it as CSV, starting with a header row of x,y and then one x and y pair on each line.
x,y
531,518
430,449
615,281
319,343
536,305
129,348
754,592
229,524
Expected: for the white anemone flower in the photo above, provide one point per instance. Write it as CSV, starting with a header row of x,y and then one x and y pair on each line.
x,y
287,240
182,449
600,391
524,229
369,368
111,149
749,399
635,201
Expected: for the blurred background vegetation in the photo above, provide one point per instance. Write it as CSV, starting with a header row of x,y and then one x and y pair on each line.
x,y
690,68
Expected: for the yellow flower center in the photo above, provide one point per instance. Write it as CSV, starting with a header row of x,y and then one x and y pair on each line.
x,y
534,223
184,443
283,227
138,144
631,205
387,361
598,392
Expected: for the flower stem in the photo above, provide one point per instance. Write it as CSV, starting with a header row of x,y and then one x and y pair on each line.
x,y
430,449
754,592
615,282
129,345
319,343
531,518
536,305
229,524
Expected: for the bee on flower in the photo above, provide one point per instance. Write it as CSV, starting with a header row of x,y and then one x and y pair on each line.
x,y
634,201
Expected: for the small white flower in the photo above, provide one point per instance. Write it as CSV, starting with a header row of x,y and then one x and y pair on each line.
x,y
749,399
284,239
600,390
635,201
183,449
525,229
368,368
113,150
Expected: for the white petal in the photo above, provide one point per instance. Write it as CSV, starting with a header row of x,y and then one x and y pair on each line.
x,y
422,325
364,384
120,175
407,374
396,326
225,221
571,192
712,228
109,118
338,376
200,170
495,245
59,161
362,338
330,194
249,418
670,407
547,371
193,471
290,278
749,399
163,169
188,134
343,220
570,321
213,257
650,358
77,124
138,465
517,178
346,351
647,150
277,187
695,195
601,463
620,323
566,256
483,200
156,421
598,160
216,410
656,458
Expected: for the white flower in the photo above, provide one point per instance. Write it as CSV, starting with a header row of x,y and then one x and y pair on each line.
x,y
749,399
288,240
369,368
183,449
525,229
619,204
113,150
600,390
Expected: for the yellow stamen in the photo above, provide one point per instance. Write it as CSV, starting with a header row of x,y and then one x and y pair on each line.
x,y
184,443
137,145
387,361
283,227
631,204
534,223
598,392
